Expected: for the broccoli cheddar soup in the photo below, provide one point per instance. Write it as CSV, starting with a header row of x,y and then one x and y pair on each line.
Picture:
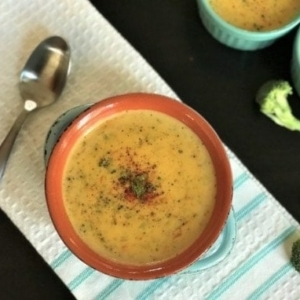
x,y
139,187
257,15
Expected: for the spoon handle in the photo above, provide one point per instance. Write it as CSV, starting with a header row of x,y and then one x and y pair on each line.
x,y
8,142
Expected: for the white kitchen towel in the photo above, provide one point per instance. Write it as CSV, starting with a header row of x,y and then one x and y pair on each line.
x,y
104,64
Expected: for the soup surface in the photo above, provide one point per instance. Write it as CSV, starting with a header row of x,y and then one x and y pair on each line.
x,y
139,187
257,15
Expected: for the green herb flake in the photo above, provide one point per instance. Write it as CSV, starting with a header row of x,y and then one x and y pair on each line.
x,y
104,162
124,176
139,185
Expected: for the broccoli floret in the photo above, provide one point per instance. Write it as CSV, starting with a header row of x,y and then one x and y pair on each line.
x,y
272,98
295,257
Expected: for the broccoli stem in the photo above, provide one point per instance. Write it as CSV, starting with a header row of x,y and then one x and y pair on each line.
x,y
285,119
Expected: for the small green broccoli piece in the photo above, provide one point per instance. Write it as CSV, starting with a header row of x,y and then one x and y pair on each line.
x,y
295,256
272,98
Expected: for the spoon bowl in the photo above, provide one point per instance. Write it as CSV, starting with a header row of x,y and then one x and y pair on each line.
x,y
42,81
44,74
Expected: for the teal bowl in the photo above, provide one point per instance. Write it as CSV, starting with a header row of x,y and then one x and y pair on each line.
x,y
235,37
295,64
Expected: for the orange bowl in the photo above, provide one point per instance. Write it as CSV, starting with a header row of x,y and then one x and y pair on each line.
x,y
84,123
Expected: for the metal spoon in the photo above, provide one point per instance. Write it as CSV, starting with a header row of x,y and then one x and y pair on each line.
x,y
41,83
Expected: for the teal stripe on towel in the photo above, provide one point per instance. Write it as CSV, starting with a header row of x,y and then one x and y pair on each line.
x,y
270,282
250,206
109,289
236,275
240,180
80,278
61,258
151,288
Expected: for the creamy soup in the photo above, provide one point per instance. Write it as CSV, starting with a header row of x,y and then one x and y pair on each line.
x,y
139,187
257,15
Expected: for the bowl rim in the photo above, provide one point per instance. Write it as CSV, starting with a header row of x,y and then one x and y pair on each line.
x,y
255,35
296,45
105,108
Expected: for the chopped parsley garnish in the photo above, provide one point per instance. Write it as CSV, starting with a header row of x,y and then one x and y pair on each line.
x,y
104,162
136,184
